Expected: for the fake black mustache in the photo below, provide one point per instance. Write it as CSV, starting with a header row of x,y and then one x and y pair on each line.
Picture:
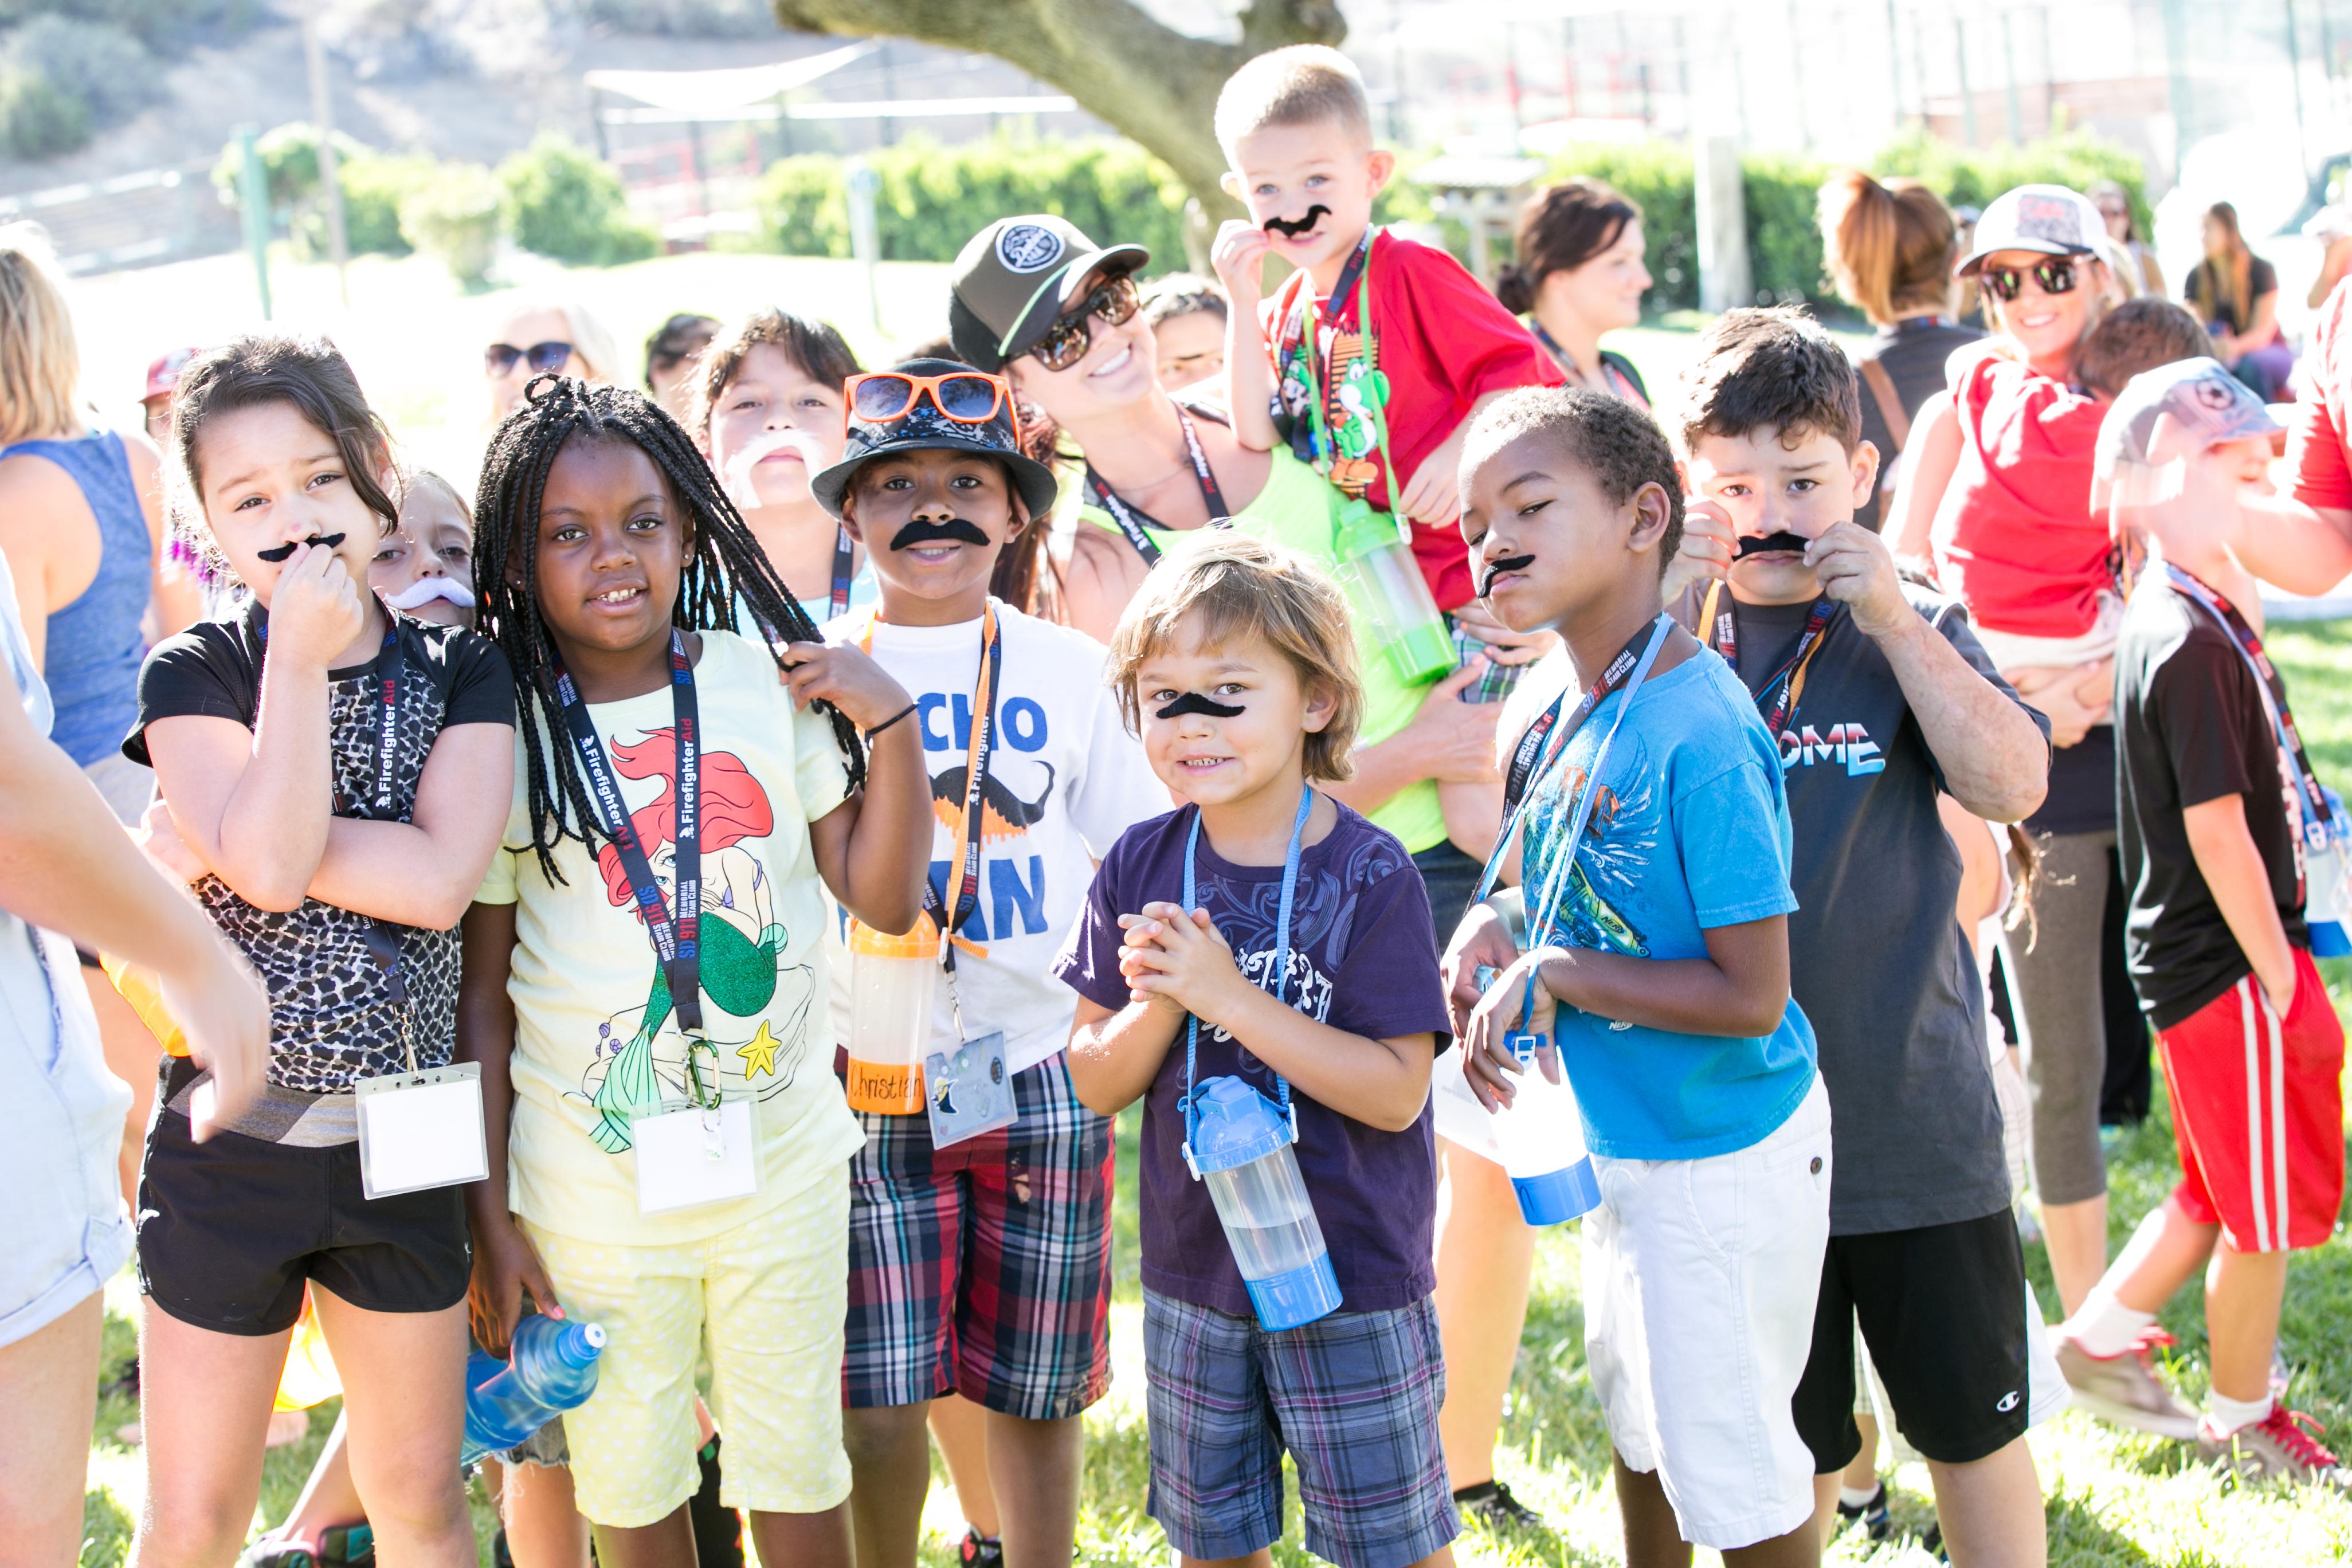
x,y
286,552
1507,563
1193,702
1781,541
1291,228
922,531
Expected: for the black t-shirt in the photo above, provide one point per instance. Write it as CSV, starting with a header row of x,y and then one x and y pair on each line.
x,y
2082,797
330,1018
1876,956
2262,278
1913,353
2193,730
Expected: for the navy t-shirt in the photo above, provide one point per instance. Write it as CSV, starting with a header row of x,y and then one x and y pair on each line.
x,y
1361,960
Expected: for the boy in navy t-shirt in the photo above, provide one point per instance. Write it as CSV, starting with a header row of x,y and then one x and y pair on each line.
x,y
1659,965
1225,665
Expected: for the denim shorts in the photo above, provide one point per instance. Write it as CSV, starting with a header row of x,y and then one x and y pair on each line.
x,y
1352,1396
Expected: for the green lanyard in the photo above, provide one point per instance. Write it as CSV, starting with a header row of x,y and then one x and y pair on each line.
x,y
1372,393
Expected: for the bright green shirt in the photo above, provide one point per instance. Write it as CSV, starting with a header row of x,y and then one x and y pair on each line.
x,y
1298,510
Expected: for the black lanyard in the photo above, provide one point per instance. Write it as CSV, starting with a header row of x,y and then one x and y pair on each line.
x,y
1132,523
844,562
2250,643
1300,326
1786,684
673,932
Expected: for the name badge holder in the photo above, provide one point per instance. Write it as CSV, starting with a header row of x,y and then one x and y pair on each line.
x,y
698,1149
421,1127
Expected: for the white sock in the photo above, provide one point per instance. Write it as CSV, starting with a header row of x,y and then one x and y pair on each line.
x,y
2224,1416
1852,1498
2105,1327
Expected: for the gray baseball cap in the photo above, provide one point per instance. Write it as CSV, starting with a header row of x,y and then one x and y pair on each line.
x,y
2049,219
1015,277
2201,396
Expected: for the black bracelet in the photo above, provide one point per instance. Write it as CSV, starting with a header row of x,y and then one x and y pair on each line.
x,y
886,723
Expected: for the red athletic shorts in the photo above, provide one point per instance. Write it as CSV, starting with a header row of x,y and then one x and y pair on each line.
x,y
2258,1112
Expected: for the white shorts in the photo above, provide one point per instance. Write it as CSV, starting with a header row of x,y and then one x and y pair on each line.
x,y
1700,1278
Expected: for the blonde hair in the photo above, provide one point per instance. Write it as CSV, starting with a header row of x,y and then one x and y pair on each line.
x,y
594,345
1888,247
1302,84
413,480
40,365
1242,587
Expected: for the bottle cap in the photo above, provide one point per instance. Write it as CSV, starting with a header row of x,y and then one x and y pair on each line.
x,y
1237,1124
922,942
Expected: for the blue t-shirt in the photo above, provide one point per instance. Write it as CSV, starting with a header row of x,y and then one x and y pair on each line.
x,y
1690,831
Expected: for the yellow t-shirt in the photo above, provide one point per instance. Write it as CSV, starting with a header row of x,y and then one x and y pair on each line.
x,y
585,971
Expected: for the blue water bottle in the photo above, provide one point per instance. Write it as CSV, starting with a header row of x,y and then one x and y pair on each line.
x,y
551,1369
1241,1152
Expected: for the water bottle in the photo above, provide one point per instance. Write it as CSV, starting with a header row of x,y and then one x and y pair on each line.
x,y
551,1369
1540,1135
890,981
1241,1152
1376,560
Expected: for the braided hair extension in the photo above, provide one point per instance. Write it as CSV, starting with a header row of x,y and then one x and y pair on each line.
x,y
723,562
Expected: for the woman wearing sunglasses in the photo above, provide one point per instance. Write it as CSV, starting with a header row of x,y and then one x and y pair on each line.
x,y
1060,316
542,337
1998,495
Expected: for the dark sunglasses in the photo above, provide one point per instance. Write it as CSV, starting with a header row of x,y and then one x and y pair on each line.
x,y
966,397
546,359
2056,276
1066,342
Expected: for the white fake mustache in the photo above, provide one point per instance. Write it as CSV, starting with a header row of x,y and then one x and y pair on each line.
x,y
736,480
425,590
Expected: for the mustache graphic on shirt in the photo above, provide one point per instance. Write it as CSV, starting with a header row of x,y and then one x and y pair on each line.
x,y
922,530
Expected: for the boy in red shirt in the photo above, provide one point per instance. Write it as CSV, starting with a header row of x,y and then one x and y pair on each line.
x,y
1381,415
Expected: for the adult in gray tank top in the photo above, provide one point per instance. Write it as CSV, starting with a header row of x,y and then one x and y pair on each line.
x,y
64,865
82,529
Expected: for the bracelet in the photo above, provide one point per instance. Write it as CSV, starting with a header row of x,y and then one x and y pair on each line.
x,y
886,723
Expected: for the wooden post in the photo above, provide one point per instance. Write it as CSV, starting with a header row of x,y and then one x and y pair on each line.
x,y
1723,280
331,181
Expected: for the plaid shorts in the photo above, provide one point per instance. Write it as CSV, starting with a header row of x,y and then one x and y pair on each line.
x,y
1497,680
1352,1396
983,1269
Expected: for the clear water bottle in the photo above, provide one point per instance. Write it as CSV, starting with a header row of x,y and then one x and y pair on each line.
x,y
1376,560
1241,1152
890,987
1540,1135
551,1369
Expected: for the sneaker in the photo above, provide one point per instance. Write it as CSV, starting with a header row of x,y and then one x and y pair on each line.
x,y
2124,1388
2280,1445
1870,1513
1491,1504
977,1550
337,1546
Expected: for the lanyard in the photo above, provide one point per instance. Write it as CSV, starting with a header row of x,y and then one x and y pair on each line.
x,y
950,915
1630,668
1281,962
844,562
1612,378
1540,919
1722,633
673,930
1131,522
2316,817
1302,334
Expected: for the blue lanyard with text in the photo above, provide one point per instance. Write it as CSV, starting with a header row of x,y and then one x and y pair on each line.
x,y
1281,962
1539,920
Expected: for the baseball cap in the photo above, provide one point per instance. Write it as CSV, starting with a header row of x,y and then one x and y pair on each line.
x,y
2207,404
924,427
2048,219
163,374
1015,277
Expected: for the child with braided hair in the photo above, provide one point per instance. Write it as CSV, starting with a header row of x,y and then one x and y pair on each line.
x,y
670,1160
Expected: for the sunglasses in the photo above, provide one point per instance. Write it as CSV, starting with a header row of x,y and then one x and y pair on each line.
x,y
2056,276
1066,340
966,397
545,359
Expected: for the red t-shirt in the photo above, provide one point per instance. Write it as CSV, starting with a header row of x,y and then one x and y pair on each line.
x,y
2315,446
1443,342
2015,539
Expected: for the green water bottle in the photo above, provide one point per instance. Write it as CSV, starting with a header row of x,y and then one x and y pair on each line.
x,y
1377,565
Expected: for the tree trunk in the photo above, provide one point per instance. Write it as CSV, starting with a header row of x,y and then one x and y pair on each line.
x,y
1156,85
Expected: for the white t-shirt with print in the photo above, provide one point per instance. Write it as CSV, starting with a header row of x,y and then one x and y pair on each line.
x,y
1064,780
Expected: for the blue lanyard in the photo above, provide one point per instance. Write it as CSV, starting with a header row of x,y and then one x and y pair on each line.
x,y
1625,669
1281,963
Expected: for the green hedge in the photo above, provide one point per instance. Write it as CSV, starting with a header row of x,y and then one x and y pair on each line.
x,y
568,205
933,198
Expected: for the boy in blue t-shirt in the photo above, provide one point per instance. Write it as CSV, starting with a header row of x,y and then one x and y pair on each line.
x,y
1660,966
1232,664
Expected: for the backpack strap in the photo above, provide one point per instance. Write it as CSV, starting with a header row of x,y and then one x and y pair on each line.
x,y
1891,410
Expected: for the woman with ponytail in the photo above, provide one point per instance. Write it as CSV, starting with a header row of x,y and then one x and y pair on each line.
x,y
1580,275
2235,293
1888,248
